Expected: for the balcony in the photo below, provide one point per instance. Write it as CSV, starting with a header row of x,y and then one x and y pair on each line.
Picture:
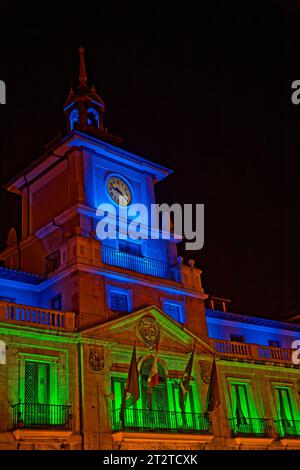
x,y
251,427
42,416
288,428
251,351
161,422
140,264
36,316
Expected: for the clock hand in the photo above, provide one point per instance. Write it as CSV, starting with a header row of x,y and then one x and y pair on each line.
x,y
117,189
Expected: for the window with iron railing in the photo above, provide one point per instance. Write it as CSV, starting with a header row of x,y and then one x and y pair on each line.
x,y
129,247
165,414
52,262
141,264
244,420
287,425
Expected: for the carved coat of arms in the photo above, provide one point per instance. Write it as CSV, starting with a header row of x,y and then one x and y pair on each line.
x,y
149,331
96,361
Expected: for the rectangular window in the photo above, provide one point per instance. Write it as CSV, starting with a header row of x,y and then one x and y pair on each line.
x,y
56,302
237,338
244,419
188,420
131,416
189,405
130,248
37,382
118,387
284,404
174,309
274,343
119,302
286,424
240,402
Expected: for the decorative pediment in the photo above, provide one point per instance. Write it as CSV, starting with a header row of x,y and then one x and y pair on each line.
x,y
145,327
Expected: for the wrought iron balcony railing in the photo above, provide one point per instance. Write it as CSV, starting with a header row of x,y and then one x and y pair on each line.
x,y
259,427
42,416
161,421
288,428
52,262
252,351
140,264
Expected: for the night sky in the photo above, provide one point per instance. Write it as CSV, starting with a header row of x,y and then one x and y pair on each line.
x,y
204,91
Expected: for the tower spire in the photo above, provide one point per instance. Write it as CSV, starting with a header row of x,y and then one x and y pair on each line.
x,y
82,69
84,108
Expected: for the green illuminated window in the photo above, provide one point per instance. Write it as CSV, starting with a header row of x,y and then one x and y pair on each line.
x,y
288,423
240,403
284,404
244,420
37,383
118,387
159,393
37,391
189,405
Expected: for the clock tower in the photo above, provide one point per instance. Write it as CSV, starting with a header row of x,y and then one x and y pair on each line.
x,y
98,279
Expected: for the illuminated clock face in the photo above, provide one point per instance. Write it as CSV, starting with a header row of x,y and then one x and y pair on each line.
x,y
118,190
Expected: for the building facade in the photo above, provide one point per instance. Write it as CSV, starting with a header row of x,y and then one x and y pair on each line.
x,y
72,307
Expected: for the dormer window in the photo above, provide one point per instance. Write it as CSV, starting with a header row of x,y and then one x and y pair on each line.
x,y
93,118
74,119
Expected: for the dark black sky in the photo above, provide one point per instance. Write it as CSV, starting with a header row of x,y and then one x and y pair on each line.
x,y
205,91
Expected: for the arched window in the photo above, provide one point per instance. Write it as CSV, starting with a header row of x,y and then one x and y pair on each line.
x,y
93,117
74,119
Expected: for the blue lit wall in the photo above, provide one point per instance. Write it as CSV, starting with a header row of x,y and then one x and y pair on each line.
x,y
222,329
97,169
36,296
19,294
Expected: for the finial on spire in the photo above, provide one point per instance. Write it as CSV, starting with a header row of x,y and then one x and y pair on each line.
x,y
82,68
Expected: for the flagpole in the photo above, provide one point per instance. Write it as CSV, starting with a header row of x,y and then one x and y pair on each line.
x,y
184,384
131,392
153,378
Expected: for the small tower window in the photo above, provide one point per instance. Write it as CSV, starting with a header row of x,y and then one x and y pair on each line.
x,y
175,309
93,117
119,299
74,119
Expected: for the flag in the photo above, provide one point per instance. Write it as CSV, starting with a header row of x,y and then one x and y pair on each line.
x,y
131,392
153,378
184,384
213,395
